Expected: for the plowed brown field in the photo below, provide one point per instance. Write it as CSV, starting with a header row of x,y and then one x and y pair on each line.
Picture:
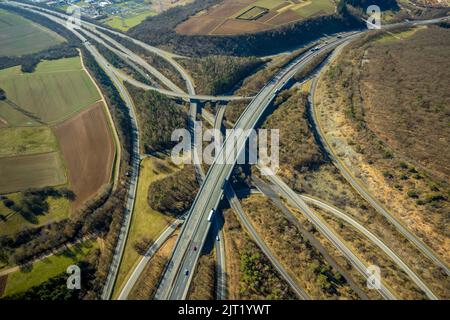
x,y
88,150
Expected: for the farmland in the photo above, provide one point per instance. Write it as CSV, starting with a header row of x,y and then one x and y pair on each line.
x,y
86,145
31,171
132,12
59,139
54,92
20,36
26,140
246,16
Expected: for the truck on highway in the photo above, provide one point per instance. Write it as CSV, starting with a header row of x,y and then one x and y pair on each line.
x,y
210,215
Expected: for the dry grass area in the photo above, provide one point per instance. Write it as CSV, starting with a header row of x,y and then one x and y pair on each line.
x,y
202,286
146,285
297,255
385,109
88,150
232,17
146,223
336,254
401,285
250,275
324,181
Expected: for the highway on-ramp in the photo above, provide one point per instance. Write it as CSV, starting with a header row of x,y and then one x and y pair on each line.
x,y
235,204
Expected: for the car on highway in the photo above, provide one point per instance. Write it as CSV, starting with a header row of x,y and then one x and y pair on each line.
x,y
217,238
186,272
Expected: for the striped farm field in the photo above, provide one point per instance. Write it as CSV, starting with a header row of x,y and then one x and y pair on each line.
x,y
55,91
88,151
31,171
19,36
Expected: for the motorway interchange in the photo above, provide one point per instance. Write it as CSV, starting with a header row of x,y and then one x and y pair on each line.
x,y
204,213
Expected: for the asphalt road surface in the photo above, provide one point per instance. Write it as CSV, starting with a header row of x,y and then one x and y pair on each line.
x,y
178,275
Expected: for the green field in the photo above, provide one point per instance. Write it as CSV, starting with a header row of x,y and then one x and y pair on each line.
x,y
126,23
268,4
55,91
146,222
26,140
19,36
47,268
316,7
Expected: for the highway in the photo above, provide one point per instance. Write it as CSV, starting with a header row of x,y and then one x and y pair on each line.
x,y
235,204
221,275
176,284
221,270
268,191
130,56
121,50
361,189
374,239
146,258
177,278
218,120
135,58
323,227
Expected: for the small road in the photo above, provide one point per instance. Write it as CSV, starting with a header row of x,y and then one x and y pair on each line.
x,y
323,227
236,205
183,96
146,258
